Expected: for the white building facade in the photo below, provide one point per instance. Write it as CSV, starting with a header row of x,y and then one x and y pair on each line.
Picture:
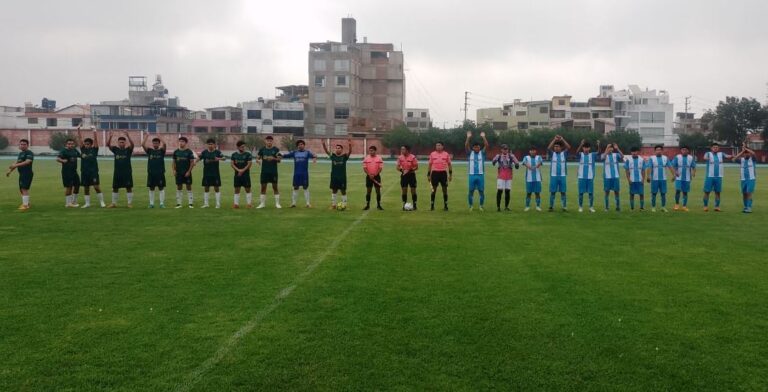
x,y
648,112
270,116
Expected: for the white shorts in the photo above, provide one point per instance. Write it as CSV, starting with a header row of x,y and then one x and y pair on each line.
x,y
503,184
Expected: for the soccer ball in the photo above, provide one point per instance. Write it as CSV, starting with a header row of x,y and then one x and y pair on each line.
x,y
341,206
408,207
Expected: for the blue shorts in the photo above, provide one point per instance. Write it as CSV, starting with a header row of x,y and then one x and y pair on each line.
x,y
557,184
713,184
658,186
533,187
682,186
586,186
636,188
748,186
476,182
301,180
611,184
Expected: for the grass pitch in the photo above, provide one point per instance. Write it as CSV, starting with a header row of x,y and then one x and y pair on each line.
x,y
312,299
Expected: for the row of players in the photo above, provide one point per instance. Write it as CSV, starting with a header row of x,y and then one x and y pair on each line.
x,y
637,170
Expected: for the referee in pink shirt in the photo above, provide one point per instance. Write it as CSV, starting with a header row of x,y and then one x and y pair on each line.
x,y
372,166
407,164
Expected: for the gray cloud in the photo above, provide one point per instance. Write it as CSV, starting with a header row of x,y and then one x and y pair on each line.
x,y
229,51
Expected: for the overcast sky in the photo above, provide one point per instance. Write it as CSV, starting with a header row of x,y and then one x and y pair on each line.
x,y
214,53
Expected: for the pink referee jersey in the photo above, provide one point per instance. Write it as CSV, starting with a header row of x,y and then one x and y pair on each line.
x,y
439,160
407,162
373,165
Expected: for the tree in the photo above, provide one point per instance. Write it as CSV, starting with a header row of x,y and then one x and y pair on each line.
x,y
288,143
3,142
219,138
253,142
399,136
735,118
57,141
696,139
626,139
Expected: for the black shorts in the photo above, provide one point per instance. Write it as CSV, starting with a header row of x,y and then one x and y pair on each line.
x,y
369,183
89,178
243,181
338,184
211,180
155,180
408,180
122,180
25,181
439,178
268,178
70,179
181,180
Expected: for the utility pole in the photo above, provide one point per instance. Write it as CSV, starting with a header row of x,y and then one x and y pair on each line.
x,y
466,103
687,99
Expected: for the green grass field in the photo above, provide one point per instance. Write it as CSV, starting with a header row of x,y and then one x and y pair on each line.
x,y
298,299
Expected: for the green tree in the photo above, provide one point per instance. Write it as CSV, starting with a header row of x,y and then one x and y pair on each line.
x,y
735,118
253,142
288,143
626,139
3,142
57,141
695,140
399,136
219,138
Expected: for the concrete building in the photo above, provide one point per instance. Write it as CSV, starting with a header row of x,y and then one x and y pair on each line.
x,y
418,119
499,118
354,87
11,116
226,119
687,123
66,118
273,116
152,110
648,112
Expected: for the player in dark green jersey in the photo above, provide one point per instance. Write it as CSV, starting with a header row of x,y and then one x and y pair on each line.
x,y
155,169
339,171
268,157
69,178
183,163
242,161
89,167
211,174
123,175
24,165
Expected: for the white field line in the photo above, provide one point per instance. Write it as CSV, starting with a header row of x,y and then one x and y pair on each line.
x,y
196,375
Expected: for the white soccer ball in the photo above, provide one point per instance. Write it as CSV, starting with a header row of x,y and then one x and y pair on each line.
x,y
341,206
408,207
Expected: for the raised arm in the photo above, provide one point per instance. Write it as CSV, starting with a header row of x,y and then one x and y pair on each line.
x,y
109,139
567,146
485,141
466,141
130,141
552,143
95,137
144,143
581,144
325,147
80,137
349,146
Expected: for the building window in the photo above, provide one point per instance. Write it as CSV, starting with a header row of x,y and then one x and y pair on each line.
x,y
341,97
423,114
634,117
341,65
544,109
410,114
340,129
379,55
201,129
266,122
522,125
561,102
253,130
319,97
320,129
533,123
76,122
595,115
319,65
218,115
253,114
288,114
341,113
341,80
234,129
320,113
236,116
51,122
32,120
319,80
520,114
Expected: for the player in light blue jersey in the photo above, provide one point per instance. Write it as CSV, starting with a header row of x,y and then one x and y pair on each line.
x,y
532,163
558,173
685,170
301,159
476,169
611,159
586,175
746,159
657,167
635,167
714,179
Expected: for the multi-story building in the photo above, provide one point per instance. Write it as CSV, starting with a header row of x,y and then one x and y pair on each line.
x,y
499,118
647,111
69,117
218,120
354,87
273,116
687,123
11,116
418,119
152,110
